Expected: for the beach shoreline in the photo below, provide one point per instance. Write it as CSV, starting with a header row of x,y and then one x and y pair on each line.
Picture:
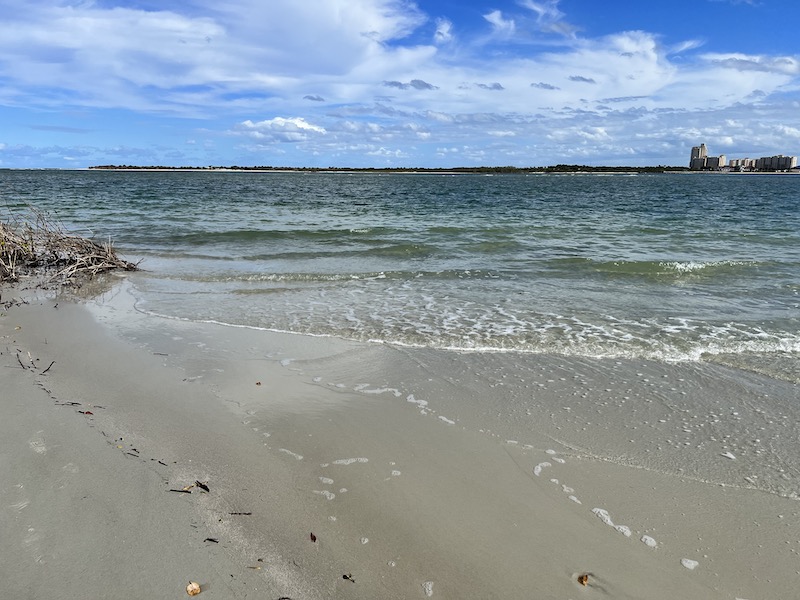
x,y
294,435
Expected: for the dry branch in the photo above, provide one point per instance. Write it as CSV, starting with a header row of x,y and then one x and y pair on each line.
x,y
42,247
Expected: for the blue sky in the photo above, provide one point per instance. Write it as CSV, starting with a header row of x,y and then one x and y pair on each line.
x,y
372,83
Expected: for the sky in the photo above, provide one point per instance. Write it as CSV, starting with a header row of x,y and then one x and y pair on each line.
x,y
395,83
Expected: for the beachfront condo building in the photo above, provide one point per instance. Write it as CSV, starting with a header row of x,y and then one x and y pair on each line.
x,y
700,161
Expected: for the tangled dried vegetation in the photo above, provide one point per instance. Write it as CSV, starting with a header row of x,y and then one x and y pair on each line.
x,y
39,247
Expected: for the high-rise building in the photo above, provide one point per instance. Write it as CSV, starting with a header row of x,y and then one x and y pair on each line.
x,y
699,157
699,151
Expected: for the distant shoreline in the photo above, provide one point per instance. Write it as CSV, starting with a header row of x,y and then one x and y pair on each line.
x,y
441,171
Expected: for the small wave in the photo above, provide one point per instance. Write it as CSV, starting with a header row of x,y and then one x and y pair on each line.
x,y
238,236
695,266
205,277
773,352
671,268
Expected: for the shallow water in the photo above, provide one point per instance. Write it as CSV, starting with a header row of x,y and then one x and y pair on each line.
x,y
666,267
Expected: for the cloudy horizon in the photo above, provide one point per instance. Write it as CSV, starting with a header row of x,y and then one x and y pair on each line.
x,y
393,83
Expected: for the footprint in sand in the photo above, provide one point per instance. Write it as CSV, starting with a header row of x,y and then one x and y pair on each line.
x,y
689,563
537,470
648,541
37,443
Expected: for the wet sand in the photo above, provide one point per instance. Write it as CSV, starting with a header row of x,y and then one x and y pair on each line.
x,y
411,486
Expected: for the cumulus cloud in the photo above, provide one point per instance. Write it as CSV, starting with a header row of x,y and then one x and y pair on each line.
x,y
490,86
786,65
416,84
294,129
619,99
501,133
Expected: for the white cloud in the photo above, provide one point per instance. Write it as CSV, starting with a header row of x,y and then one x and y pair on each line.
x,y
784,130
444,31
784,65
295,129
549,17
386,153
502,27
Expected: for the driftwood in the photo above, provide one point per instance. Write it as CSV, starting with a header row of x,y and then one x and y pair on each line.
x,y
41,247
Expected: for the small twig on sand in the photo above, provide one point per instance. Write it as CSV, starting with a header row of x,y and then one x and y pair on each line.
x,y
48,368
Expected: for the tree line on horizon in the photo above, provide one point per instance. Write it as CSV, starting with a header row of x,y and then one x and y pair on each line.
x,y
561,168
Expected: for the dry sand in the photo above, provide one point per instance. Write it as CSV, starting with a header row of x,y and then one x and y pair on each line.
x,y
406,503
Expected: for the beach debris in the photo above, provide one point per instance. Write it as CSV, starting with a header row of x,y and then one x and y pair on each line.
x,y
215,540
583,579
184,491
256,568
348,577
728,455
258,383
202,486
247,514
313,537
48,368
86,412
41,246
193,588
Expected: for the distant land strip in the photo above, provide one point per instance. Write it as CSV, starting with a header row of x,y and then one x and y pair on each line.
x,y
482,170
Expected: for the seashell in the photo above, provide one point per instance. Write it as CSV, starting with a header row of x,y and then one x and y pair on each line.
x,y
193,588
583,579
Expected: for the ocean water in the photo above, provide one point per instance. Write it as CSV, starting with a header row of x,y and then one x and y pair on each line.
x,y
648,320
669,267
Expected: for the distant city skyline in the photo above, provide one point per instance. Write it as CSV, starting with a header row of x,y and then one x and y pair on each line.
x,y
394,83
700,160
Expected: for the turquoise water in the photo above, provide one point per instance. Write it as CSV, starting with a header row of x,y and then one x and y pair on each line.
x,y
669,267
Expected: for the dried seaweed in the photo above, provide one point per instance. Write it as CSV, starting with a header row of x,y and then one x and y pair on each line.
x,y
38,246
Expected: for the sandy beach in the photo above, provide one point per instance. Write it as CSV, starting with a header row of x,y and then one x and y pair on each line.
x,y
323,476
